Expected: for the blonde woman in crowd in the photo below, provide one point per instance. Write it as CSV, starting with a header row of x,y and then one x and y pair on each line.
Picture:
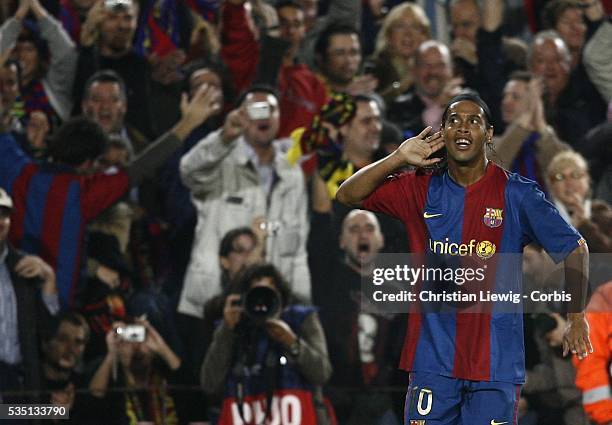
x,y
570,187
403,30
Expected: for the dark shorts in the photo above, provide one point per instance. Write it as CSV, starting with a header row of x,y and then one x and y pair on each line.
x,y
439,400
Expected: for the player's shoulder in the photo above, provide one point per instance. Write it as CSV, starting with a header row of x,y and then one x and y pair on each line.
x,y
518,185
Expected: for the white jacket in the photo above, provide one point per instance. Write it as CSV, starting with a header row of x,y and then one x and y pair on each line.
x,y
227,193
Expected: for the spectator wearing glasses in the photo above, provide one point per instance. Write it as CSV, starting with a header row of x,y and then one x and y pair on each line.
x,y
338,59
570,187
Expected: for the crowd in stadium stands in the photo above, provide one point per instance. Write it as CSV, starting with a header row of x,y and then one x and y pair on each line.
x,y
164,163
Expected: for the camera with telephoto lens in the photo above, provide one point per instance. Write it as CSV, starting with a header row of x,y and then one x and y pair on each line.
x,y
117,4
260,304
132,333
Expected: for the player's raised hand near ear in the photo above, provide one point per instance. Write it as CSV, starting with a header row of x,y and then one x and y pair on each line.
x,y
414,151
417,150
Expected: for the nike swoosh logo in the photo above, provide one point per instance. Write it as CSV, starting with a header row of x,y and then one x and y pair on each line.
x,y
427,215
493,422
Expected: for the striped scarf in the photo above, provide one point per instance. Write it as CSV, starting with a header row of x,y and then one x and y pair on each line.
x,y
159,405
315,149
35,98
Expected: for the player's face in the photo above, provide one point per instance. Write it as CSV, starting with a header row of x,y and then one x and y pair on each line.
x,y
466,132
361,238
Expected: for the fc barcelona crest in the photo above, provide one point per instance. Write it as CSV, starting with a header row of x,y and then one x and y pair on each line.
x,y
493,217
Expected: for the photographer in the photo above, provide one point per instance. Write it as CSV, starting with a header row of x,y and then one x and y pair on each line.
x,y
235,174
139,359
267,354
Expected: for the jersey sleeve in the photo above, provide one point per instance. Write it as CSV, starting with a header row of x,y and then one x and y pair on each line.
x,y
102,190
12,161
542,223
393,197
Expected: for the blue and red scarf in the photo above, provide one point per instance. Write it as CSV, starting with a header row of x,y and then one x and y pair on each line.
x,y
35,98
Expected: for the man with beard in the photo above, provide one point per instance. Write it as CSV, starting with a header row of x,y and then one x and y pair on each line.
x,y
434,86
107,44
357,341
338,58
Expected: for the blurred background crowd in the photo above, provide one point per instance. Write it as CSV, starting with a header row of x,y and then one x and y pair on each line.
x,y
171,251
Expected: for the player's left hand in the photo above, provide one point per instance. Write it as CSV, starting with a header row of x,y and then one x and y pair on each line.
x,y
576,338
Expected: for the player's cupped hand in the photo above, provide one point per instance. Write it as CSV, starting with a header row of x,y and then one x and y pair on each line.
x,y
417,150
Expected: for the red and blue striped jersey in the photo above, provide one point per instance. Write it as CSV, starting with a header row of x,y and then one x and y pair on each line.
x,y
502,209
51,206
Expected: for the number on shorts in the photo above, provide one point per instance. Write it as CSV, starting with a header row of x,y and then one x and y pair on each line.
x,y
422,394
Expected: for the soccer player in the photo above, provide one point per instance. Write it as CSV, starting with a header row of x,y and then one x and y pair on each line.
x,y
468,368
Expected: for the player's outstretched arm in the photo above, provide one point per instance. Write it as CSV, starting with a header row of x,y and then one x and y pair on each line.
x,y
576,339
414,151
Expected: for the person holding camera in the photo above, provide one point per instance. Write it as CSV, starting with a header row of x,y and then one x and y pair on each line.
x,y
235,174
106,43
139,363
268,357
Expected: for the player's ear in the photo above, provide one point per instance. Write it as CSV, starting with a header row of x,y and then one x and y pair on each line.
x,y
490,134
